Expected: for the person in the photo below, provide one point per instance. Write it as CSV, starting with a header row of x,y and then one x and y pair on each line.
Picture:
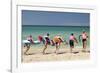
x,y
41,39
72,39
57,40
84,40
47,42
29,38
28,43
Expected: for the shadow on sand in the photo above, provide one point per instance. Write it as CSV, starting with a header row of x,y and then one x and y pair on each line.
x,y
61,52
76,52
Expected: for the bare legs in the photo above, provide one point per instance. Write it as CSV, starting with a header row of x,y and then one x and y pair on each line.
x,y
84,46
57,48
28,47
71,48
44,48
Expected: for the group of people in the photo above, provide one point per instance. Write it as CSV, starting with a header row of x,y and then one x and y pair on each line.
x,y
56,41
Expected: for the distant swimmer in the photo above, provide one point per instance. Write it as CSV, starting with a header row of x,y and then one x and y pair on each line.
x,y
72,39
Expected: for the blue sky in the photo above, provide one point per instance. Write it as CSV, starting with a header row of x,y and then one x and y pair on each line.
x,y
30,17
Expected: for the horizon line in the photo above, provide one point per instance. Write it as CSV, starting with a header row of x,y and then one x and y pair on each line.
x,y
52,25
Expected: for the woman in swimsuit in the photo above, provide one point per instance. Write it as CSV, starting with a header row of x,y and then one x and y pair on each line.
x,y
47,42
57,40
71,41
84,39
30,39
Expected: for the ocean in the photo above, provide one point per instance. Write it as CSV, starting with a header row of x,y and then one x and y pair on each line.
x,y
64,31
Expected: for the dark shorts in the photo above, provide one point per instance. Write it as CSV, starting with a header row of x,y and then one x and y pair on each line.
x,y
83,40
27,45
31,42
56,43
71,43
48,42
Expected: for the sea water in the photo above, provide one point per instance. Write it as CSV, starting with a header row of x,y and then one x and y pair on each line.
x,y
64,31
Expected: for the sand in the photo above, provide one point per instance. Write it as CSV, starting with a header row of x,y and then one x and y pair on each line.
x,y
35,54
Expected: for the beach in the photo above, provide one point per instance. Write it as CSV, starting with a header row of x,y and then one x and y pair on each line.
x,y
63,24
35,54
